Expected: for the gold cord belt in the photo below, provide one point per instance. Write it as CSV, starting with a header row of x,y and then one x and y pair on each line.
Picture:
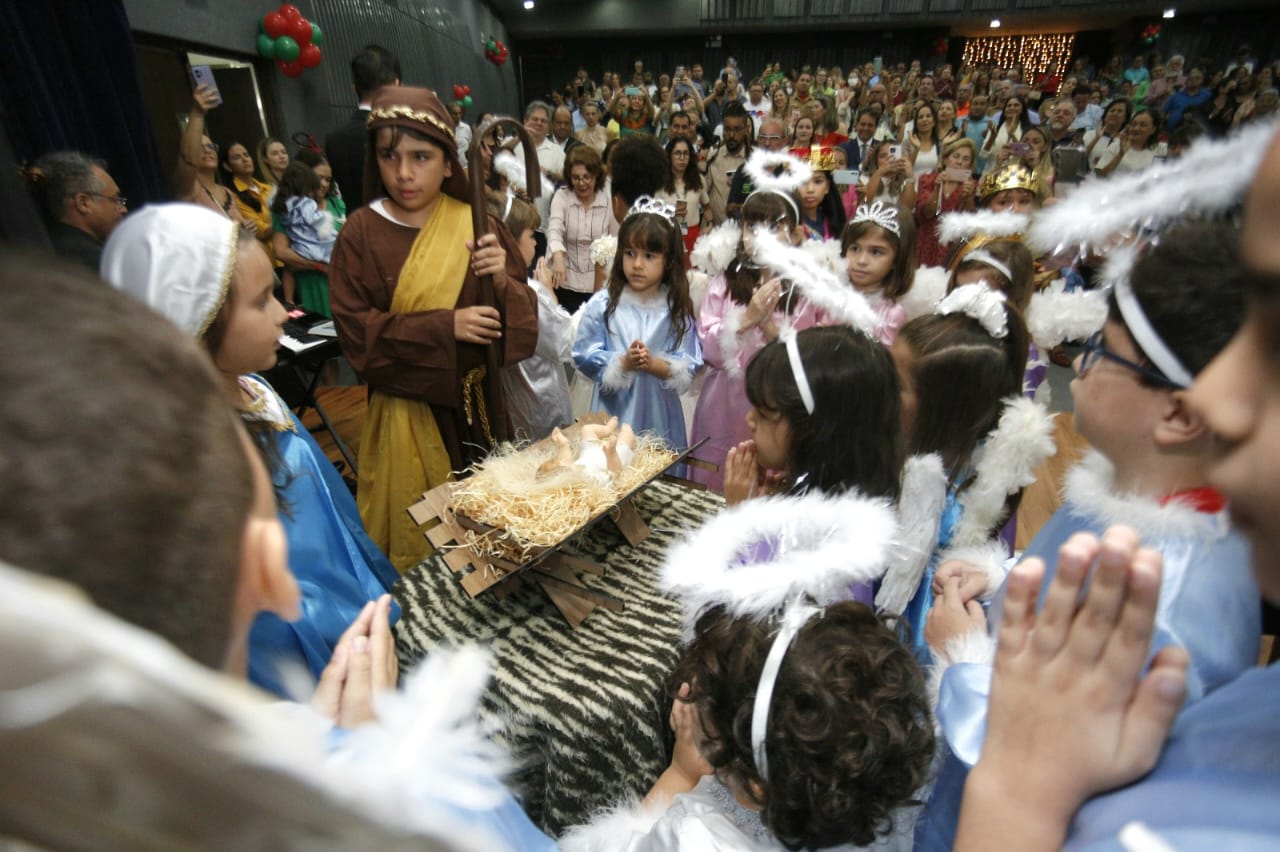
x,y
472,385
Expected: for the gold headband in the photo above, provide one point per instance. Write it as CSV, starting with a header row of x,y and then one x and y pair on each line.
x,y
392,113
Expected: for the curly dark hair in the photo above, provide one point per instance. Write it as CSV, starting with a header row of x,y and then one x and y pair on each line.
x,y
849,737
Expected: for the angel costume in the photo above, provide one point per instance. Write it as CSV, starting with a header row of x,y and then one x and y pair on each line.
x,y
1209,605
727,348
537,389
646,402
337,566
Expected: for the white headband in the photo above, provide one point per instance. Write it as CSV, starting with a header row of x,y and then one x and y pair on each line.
x,y
784,196
1146,337
793,619
979,302
797,372
985,257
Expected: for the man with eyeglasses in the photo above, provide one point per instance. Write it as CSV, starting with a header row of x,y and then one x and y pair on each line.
x,y
82,202
723,164
772,137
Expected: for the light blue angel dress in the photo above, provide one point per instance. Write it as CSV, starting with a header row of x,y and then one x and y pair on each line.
x,y
1209,605
644,401
337,565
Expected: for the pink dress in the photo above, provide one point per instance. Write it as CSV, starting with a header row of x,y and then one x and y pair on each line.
x,y
892,318
722,406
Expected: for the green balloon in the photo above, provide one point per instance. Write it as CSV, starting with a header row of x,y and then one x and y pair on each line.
x,y
491,45
266,46
262,24
287,49
317,35
466,101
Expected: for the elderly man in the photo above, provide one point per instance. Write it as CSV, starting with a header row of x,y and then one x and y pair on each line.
x,y
83,205
537,120
772,137
1061,124
562,129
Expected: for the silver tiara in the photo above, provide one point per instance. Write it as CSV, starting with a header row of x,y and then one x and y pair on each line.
x,y
884,215
649,204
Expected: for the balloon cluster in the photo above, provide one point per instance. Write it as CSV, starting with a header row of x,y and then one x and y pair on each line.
x,y
495,51
940,49
290,39
1151,33
461,95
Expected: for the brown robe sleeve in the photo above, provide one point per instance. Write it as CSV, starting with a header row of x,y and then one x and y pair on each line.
x,y
414,354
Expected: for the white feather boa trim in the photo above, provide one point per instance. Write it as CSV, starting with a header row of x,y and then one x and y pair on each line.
x,y
924,495
616,377
716,249
681,375
976,646
962,227
990,557
927,289
698,284
1090,490
731,336
1005,463
1211,177
815,279
1057,315
764,553
613,829
512,168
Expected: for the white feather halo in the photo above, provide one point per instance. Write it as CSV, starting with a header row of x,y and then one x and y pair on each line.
x,y
716,249
511,167
927,289
961,227
1056,314
1005,462
771,551
793,172
1211,177
979,302
822,287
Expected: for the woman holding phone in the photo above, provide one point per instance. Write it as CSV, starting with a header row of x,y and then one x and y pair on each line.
x,y
946,190
1013,122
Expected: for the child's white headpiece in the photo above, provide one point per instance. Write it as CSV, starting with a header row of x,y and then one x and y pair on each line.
x,y
649,204
175,258
784,558
777,173
979,302
511,167
878,213
986,258
1116,274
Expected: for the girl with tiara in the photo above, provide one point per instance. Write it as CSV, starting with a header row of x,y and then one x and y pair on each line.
x,y
973,441
821,211
744,307
405,285
879,248
636,339
756,765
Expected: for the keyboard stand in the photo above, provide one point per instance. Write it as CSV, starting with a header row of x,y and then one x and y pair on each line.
x,y
306,367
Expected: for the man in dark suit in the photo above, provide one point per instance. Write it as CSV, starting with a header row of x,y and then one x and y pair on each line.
x,y
864,131
371,69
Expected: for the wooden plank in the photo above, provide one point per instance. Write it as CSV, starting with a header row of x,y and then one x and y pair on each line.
x,y
434,504
576,563
574,609
566,575
629,522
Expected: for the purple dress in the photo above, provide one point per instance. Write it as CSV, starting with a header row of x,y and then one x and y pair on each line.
x,y
722,405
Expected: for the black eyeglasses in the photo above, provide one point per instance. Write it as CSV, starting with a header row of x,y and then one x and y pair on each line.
x,y
1094,350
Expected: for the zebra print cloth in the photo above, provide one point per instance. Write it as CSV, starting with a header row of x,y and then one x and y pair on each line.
x,y
583,712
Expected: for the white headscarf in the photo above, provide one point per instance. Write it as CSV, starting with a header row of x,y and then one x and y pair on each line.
x,y
175,258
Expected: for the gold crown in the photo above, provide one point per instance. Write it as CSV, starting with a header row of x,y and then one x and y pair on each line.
x,y
822,158
1008,176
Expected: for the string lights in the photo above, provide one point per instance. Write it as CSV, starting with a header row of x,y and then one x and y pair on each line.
x,y
1036,54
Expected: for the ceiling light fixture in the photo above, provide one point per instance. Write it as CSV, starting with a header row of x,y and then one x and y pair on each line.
x,y
1170,12
995,23
528,4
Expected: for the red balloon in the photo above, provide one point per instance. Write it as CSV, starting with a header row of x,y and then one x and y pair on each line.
x,y
457,92
300,30
274,24
310,56
290,11
466,90
290,69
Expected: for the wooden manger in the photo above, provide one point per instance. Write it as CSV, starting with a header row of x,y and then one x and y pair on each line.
x,y
489,559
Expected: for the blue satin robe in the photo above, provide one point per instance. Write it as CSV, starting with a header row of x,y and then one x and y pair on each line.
x,y
337,565
647,403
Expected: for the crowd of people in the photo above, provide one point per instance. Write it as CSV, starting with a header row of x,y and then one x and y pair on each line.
x,y
841,276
